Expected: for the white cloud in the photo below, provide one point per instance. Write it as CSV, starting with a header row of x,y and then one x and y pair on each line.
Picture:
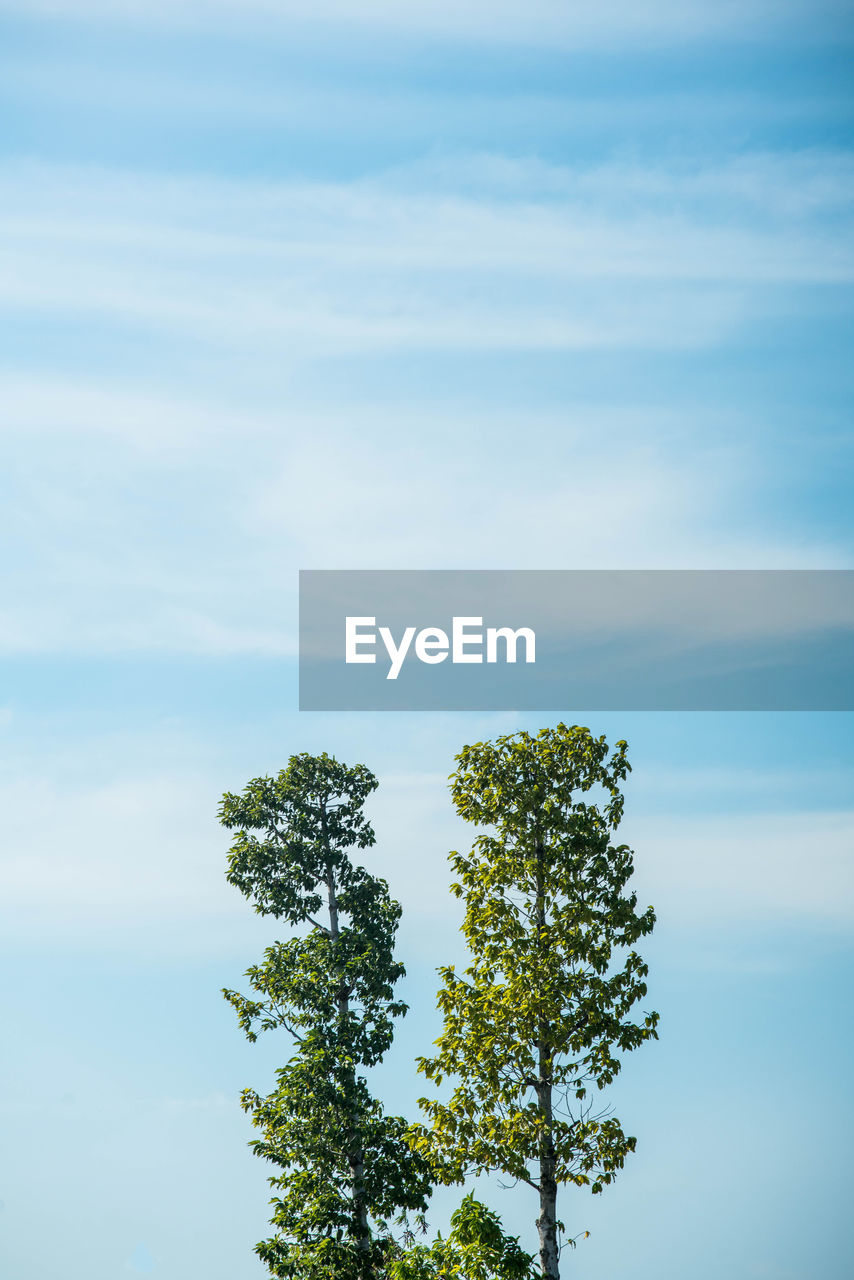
x,y
133,847
130,862
551,259
138,859
193,548
402,115
172,514
795,867
565,23
529,493
168,428
721,869
98,847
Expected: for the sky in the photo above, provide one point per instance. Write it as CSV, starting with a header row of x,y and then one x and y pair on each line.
x,y
432,285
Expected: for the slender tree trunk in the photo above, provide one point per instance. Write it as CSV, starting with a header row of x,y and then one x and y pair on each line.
x,y
547,1221
355,1153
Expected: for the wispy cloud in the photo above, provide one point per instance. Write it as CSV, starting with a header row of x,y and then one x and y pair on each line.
x,y
194,546
781,867
664,22
721,870
140,853
171,514
545,512
128,849
532,258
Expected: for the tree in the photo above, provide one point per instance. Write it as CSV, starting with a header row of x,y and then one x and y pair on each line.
x,y
541,1013
476,1249
345,1168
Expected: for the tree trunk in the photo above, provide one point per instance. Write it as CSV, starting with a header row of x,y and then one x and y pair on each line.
x,y
355,1154
546,1226
547,1221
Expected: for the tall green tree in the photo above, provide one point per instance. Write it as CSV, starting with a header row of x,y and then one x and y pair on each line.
x,y
345,1169
534,1027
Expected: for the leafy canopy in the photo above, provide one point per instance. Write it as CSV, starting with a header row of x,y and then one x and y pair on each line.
x,y
476,1249
345,1167
541,1015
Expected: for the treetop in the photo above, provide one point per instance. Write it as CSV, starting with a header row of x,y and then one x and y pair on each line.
x,y
502,783
310,814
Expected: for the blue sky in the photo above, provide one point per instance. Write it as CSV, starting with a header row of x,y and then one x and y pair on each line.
x,y
446,285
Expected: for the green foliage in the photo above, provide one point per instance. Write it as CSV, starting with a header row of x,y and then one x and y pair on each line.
x,y
541,1015
476,1249
345,1167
